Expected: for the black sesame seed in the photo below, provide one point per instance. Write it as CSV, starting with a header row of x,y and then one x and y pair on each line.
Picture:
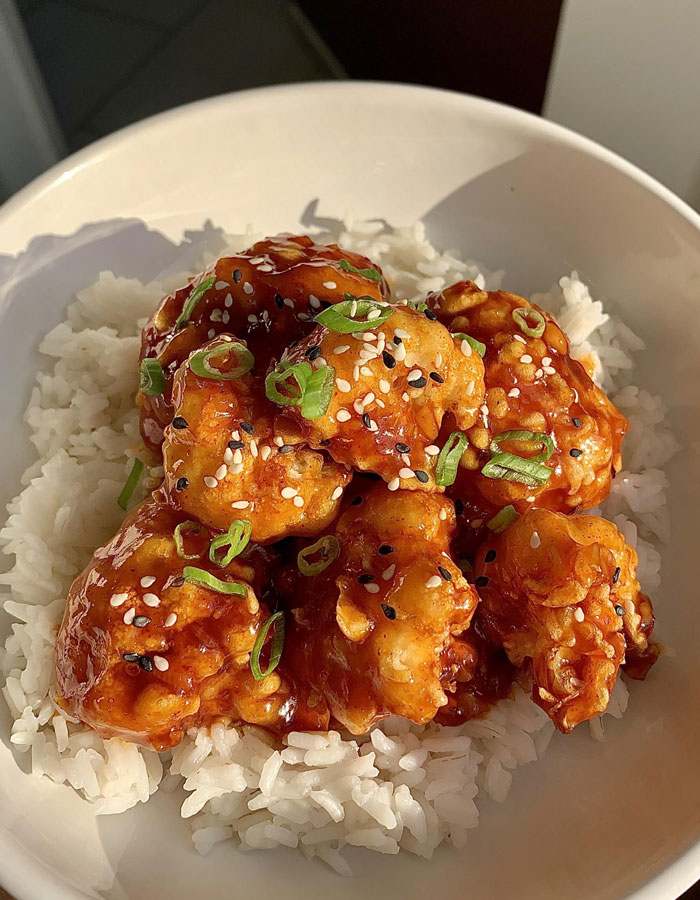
x,y
616,575
146,663
490,556
177,582
179,422
279,300
385,550
446,574
388,359
418,382
620,610
575,452
437,377
459,507
248,427
356,501
422,476
429,314
130,657
237,275
388,611
325,442
402,448
293,345
482,581
141,621
576,422
397,340
236,445
286,448
366,421
313,353
182,483
365,578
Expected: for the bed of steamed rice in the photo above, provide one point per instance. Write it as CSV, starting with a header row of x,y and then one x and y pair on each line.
x,y
402,787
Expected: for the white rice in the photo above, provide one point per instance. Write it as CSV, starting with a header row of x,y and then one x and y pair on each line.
x,y
402,787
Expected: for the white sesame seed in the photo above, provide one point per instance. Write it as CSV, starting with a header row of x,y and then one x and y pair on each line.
x,y
210,482
237,459
221,472
265,451
129,616
215,315
151,599
342,415
546,361
343,385
248,287
265,267
298,501
406,458
384,386
373,425
371,588
366,371
443,514
356,372
342,349
434,581
535,540
394,484
369,336
484,409
381,403
289,492
387,573
466,348
432,450
405,472
314,302
337,493
236,435
221,285
373,314
539,373
438,360
519,337
578,614
413,374
330,285
288,302
531,498
161,663
405,397
147,581
470,389
225,318
367,354
550,370
211,333
353,308
256,260
400,353
515,392
358,335
117,599
526,358
236,468
399,332
240,504
278,441
171,620
254,447
228,301
369,398
252,319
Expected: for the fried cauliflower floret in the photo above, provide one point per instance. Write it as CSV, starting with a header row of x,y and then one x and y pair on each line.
x,y
532,384
223,460
560,595
370,632
266,296
144,654
392,387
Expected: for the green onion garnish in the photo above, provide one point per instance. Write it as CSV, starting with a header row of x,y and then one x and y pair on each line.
x,y
194,528
537,437
199,361
502,519
372,274
328,549
529,321
131,482
473,343
276,647
318,392
193,300
204,579
514,468
298,385
236,539
448,460
341,316
151,377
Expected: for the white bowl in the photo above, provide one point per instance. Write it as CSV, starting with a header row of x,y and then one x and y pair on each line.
x,y
595,821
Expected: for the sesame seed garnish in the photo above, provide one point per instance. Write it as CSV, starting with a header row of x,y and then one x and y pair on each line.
x,y
366,420
222,470
368,399
342,415
130,657
252,318
365,578
384,386
437,378
289,492
343,385
358,406
519,337
620,610
279,302
236,469
221,285
401,333
337,493
430,315
372,588
313,352
235,445
248,427
253,447
236,435
141,621
210,482
248,287
388,611
179,422
225,318
394,484
466,348
490,556
177,582
369,336
531,498
171,620
237,275
535,540
366,371
356,372
128,616
400,353
514,392
160,662
526,358
256,260
265,452
438,359
388,359
237,458
146,663
342,349
278,441
470,389
286,448
433,582
385,550
578,614
388,572
288,302
405,472
298,501
549,370
405,397
374,314
575,452
538,373
330,285
484,409
432,450
546,361
482,581
240,504
406,459
211,333
353,309
443,514
402,448
616,575
151,600
445,573
422,476
117,599
576,422
314,302
368,353
413,374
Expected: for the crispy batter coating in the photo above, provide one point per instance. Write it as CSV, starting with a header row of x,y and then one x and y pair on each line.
x,y
372,631
560,594
266,296
223,461
187,648
393,387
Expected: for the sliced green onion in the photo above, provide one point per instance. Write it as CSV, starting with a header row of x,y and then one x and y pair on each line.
x,y
194,528
193,300
202,578
473,343
502,519
537,437
293,394
318,392
372,274
276,646
514,468
522,314
328,548
448,460
236,539
151,377
199,361
341,316
131,482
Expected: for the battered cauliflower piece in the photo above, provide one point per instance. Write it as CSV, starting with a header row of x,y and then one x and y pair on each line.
x,y
560,594
223,460
532,384
392,387
266,296
371,632
144,654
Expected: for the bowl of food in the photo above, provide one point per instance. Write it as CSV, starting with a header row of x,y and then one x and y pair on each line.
x,y
349,537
